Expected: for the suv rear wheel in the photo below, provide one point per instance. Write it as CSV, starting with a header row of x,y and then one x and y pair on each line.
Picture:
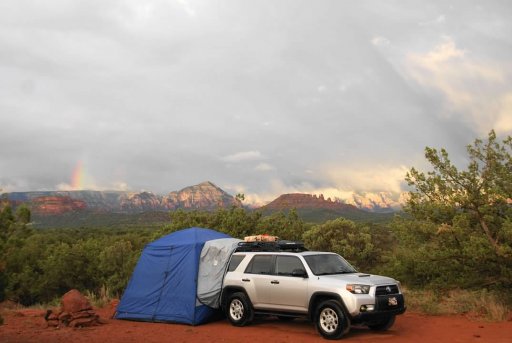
x,y
331,321
239,310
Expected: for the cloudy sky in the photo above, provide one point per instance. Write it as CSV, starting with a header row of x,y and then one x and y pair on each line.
x,y
262,97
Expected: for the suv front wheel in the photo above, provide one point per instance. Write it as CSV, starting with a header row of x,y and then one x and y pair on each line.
x,y
239,310
331,321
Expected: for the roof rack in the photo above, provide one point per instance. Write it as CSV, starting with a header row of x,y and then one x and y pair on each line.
x,y
281,245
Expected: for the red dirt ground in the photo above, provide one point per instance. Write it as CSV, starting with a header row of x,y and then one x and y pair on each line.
x,y
30,326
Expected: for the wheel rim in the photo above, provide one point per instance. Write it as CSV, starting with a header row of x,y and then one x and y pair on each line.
x,y
236,309
328,320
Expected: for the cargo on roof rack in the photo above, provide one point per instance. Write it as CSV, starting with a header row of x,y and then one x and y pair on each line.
x,y
282,245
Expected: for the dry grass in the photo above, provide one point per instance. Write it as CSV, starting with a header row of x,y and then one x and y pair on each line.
x,y
104,297
481,305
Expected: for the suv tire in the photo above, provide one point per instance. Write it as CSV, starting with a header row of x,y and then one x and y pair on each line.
x,y
383,324
331,322
239,310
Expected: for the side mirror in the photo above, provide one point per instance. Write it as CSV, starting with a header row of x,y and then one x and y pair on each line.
x,y
300,273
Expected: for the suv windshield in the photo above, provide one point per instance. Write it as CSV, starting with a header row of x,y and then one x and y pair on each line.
x,y
328,264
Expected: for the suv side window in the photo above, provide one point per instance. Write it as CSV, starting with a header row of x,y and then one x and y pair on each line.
x,y
285,265
235,261
260,264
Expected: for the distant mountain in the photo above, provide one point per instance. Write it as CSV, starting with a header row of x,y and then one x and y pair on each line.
x,y
377,202
314,208
82,208
205,196
301,200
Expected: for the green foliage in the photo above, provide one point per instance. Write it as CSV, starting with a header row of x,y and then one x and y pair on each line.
x,y
23,214
47,263
116,263
287,226
240,197
355,243
459,233
321,215
7,226
237,222
97,220
481,192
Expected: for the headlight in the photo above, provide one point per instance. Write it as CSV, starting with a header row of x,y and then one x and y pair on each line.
x,y
358,289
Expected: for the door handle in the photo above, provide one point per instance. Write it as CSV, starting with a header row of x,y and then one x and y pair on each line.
x,y
246,280
274,282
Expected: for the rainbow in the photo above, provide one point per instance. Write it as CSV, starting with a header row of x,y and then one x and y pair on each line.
x,y
77,178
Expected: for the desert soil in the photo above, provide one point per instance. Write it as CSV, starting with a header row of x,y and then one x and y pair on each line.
x,y
29,326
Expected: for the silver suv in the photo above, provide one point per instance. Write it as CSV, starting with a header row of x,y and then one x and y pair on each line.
x,y
321,286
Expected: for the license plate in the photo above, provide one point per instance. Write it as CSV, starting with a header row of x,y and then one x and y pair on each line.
x,y
392,301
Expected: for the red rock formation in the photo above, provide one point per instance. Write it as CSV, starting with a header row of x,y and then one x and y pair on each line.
x,y
300,200
75,311
205,195
51,205
140,202
74,301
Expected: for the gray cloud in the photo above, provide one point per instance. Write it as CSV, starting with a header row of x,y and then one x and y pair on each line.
x,y
261,97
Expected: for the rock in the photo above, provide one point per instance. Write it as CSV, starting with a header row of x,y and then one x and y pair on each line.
x,y
76,311
51,316
52,323
83,322
65,318
83,314
74,301
101,321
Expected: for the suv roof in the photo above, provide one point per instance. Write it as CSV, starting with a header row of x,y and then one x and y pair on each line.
x,y
288,246
302,253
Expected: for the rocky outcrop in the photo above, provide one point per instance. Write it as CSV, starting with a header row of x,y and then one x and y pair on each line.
x,y
306,201
55,205
140,202
204,196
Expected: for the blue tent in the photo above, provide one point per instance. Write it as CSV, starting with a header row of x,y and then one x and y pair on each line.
x,y
163,286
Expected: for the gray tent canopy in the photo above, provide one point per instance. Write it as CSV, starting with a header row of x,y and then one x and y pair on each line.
x,y
213,263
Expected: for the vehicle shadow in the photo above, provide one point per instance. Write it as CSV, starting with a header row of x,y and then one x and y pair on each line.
x,y
304,326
